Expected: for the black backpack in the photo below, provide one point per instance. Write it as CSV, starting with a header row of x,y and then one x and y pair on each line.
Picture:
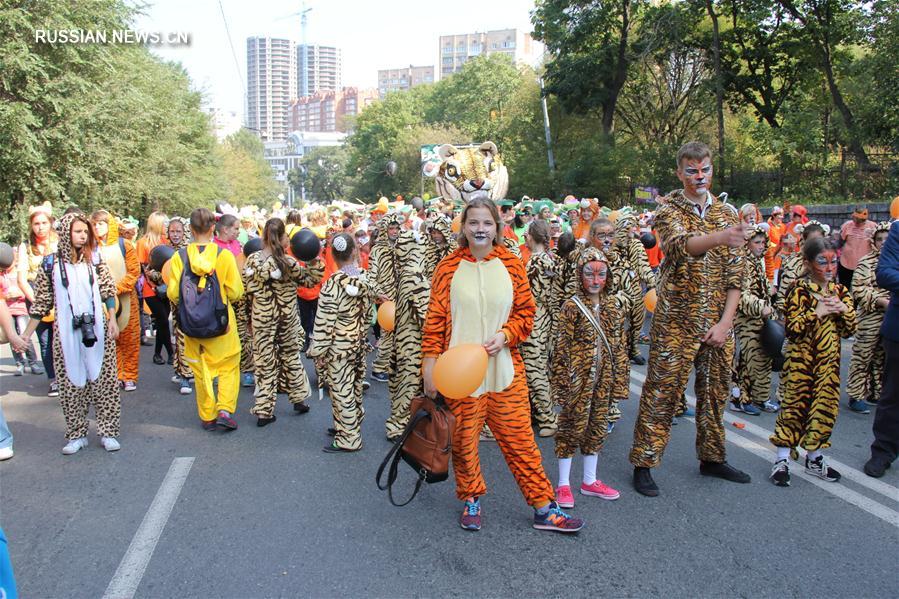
x,y
202,313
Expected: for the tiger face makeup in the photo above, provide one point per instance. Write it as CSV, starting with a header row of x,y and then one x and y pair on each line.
x,y
823,268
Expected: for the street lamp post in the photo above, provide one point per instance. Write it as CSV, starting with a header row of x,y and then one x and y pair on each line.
x,y
549,143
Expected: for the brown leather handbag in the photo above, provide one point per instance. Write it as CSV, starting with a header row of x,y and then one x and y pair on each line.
x,y
426,445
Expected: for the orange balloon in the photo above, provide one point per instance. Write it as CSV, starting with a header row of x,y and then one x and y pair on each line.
x,y
650,299
167,271
456,225
460,370
894,208
386,315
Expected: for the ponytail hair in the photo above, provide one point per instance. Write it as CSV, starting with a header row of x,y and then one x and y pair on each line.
x,y
272,234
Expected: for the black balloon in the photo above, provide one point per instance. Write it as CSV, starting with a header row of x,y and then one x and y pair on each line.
x,y
648,240
391,168
305,245
7,256
253,245
160,255
773,336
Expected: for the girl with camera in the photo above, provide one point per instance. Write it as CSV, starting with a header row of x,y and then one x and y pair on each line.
x,y
82,292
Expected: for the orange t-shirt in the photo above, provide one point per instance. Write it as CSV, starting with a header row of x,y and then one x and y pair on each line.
x,y
312,293
143,256
654,254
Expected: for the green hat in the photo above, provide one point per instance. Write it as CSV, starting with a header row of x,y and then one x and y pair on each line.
x,y
539,206
505,203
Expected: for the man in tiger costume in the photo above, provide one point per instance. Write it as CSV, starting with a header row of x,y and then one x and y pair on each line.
x,y
698,293
635,261
871,301
466,171
413,288
383,275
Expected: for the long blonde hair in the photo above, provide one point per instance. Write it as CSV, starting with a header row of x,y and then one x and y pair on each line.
x,y
155,228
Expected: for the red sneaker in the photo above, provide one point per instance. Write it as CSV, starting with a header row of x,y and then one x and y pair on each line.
x,y
471,515
564,497
599,489
225,421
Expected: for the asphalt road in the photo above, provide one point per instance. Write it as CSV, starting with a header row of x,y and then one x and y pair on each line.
x,y
265,513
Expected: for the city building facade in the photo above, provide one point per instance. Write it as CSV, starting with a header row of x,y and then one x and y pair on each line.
x,y
323,69
271,85
455,50
330,111
395,80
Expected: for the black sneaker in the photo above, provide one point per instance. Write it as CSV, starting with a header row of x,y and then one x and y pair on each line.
x,y
381,377
723,470
638,360
780,473
261,421
301,407
819,468
643,482
332,431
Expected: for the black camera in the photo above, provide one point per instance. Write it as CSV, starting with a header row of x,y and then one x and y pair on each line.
x,y
85,323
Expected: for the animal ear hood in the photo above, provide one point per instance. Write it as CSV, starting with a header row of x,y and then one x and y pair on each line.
x,y
489,148
447,150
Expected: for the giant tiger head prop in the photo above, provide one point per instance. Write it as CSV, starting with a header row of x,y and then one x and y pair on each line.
x,y
467,172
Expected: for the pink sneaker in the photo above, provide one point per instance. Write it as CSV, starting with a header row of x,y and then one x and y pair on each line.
x,y
564,497
601,490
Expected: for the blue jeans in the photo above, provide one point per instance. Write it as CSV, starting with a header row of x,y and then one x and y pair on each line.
x,y
44,333
5,435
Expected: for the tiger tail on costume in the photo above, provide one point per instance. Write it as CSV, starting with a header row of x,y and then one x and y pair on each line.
x,y
811,374
868,357
535,349
413,291
277,336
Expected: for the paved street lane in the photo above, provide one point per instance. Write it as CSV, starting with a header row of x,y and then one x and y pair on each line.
x,y
265,513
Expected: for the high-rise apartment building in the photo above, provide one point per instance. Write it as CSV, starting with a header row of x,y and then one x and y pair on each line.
x,y
271,85
329,111
394,80
455,50
322,66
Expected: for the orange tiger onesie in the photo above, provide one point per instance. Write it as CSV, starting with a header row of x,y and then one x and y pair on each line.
x,y
500,280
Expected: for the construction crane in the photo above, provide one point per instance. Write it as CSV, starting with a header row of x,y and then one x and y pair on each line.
x,y
304,89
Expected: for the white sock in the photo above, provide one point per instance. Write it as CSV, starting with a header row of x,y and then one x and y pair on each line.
x,y
564,471
590,468
783,453
814,455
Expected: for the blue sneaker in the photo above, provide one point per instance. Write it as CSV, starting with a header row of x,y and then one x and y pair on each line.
x,y
557,520
471,514
247,380
751,409
381,377
859,407
610,427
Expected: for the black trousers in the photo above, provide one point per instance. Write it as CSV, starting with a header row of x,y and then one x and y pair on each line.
x,y
844,275
159,308
307,318
886,419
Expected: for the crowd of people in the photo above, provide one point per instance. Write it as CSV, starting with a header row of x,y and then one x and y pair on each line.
x,y
560,295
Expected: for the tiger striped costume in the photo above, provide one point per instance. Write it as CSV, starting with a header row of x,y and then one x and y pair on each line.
x,y
637,264
413,288
435,253
277,336
692,293
383,276
339,344
811,377
535,349
619,284
582,369
753,363
868,357
125,271
455,314
791,270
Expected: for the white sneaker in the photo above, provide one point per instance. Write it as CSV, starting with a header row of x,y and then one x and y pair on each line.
x,y
20,369
110,444
130,386
74,446
176,378
5,453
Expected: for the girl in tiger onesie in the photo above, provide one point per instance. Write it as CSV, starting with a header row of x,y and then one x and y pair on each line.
x,y
77,287
272,278
589,327
383,276
871,301
754,363
339,343
535,349
819,311
121,259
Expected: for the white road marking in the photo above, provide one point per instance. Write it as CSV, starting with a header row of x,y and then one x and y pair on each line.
x,y
838,490
133,565
847,471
